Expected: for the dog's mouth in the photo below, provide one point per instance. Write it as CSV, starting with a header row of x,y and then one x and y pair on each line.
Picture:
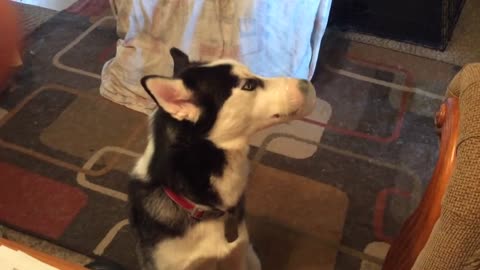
x,y
287,115
300,112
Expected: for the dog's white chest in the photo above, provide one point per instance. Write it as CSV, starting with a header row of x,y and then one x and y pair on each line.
x,y
231,185
200,248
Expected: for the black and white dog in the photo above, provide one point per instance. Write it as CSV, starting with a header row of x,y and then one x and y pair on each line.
x,y
187,198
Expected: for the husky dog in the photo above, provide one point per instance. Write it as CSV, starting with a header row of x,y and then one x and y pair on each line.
x,y
187,195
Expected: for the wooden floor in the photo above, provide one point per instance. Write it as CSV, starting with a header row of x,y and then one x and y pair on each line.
x,y
48,259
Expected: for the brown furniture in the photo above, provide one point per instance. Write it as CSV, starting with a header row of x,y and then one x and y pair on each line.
x,y
444,232
53,261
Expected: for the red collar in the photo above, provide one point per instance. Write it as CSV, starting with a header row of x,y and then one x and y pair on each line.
x,y
196,211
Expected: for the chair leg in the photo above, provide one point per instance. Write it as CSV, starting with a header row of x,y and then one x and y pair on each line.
x,y
416,230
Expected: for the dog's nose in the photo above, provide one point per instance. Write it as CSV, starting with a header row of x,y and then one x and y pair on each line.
x,y
309,96
305,86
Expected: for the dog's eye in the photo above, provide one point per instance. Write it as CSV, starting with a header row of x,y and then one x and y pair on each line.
x,y
250,84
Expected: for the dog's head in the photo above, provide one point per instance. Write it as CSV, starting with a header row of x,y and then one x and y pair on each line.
x,y
225,101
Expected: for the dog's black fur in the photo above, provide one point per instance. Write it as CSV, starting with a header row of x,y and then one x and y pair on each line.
x,y
183,159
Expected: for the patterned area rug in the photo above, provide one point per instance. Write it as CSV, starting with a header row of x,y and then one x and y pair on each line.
x,y
328,192
32,16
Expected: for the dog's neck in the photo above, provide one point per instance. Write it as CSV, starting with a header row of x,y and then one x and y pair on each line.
x,y
238,144
186,161
231,185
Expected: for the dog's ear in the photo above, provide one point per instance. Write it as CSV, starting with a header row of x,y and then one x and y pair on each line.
x,y
172,96
180,60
